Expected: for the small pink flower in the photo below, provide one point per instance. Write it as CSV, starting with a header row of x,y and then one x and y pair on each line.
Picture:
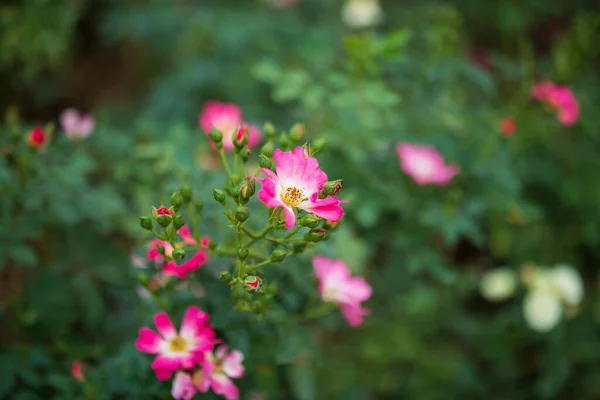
x,y
218,369
199,258
77,370
37,138
337,284
153,255
75,125
183,387
425,165
560,98
227,118
171,267
508,126
174,349
188,238
541,90
296,184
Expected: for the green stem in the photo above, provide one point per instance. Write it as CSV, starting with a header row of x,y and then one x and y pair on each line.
x,y
226,164
235,164
260,235
292,233
254,267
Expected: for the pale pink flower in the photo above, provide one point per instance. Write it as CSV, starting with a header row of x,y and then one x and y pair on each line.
x,y
174,349
560,98
76,126
296,184
336,284
188,238
152,253
172,268
77,370
425,164
541,90
183,387
217,371
227,118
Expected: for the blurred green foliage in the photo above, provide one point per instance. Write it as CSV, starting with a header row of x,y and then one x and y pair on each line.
x,y
432,73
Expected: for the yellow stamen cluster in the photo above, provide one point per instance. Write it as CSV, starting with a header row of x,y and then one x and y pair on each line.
x,y
292,196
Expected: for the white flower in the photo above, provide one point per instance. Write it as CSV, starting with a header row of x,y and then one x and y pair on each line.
x,y
567,283
499,284
361,13
542,310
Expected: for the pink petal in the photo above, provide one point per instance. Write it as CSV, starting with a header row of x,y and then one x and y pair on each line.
x,y
164,362
148,341
295,169
186,235
268,193
254,136
173,269
328,208
232,364
163,374
290,216
354,314
165,326
359,290
222,385
69,119
193,318
183,387
221,352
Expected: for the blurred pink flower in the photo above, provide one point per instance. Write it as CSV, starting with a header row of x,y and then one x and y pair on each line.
x,y
227,118
425,164
37,138
217,371
175,350
172,268
77,370
76,126
337,284
560,98
508,126
183,387
296,184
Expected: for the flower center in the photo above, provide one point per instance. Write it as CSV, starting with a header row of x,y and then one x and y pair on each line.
x,y
178,344
218,366
292,196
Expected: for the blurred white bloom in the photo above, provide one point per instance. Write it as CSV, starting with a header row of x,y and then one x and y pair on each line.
x,y
567,283
361,13
498,284
542,310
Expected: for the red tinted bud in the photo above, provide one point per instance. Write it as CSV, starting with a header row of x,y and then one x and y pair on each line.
x,y
331,188
241,137
252,283
297,132
37,138
248,188
508,126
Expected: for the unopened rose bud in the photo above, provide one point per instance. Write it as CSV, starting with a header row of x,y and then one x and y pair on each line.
x,y
242,252
146,223
226,277
285,143
267,149
178,222
219,196
248,188
269,130
178,254
252,283
315,235
186,194
163,215
318,144
278,255
199,205
329,225
245,154
216,136
37,138
241,138
309,220
331,188
297,132
176,199
242,213
265,161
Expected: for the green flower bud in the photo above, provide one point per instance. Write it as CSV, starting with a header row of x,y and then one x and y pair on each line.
x,y
315,235
269,130
178,254
285,142
176,199
212,244
297,132
248,188
267,149
242,213
278,255
216,136
331,188
164,220
318,144
242,252
226,277
265,161
219,196
186,194
178,222
245,154
309,220
252,283
146,223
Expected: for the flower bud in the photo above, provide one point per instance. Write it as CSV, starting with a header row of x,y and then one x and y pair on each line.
x,y
199,204
252,283
265,161
297,132
242,252
331,188
146,223
328,225
178,222
245,154
241,138
216,136
242,213
315,235
212,244
186,194
267,149
163,215
285,142
178,254
248,188
226,277
269,130
309,220
307,149
278,255
219,196
318,144
37,138
176,199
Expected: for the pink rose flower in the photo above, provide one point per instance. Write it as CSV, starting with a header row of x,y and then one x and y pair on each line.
x,y
336,284
560,98
425,165
508,126
227,118
183,387
296,184
199,258
217,371
174,349
75,125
